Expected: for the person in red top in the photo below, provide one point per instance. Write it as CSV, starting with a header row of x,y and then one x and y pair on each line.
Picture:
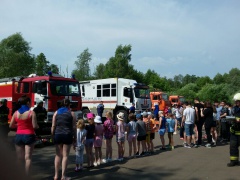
x,y
25,121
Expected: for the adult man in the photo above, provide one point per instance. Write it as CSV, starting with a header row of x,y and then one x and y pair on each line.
x,y
188,119
4,111
132,109
225,126
235,135
100,109
199,119
41,115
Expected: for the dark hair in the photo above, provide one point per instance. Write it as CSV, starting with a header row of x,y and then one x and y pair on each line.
x,y
65,103
24,100
187,103
207,104
196,98
131,116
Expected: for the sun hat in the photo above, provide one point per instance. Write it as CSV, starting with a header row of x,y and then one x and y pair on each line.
x,y
98,119
120,116
90,115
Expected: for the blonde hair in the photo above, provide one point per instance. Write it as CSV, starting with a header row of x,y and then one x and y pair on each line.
x,y
80,124
160,112
109,115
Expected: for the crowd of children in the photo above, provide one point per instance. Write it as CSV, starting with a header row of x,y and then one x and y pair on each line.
x,y
139,132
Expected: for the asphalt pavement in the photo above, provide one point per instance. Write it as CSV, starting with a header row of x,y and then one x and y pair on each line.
x,y
180,163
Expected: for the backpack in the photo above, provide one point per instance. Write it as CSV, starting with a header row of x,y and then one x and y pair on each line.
x,y
109,130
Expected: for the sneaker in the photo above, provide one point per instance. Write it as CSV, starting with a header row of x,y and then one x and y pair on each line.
x,y
208,145
187,146
137,154
172,147
162,148
98,163
104,160
175,132
195,145
95,164
142,154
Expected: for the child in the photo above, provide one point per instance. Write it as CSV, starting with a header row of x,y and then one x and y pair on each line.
x,y
162,129
148,130
108,135
120,135
141,135
79,148
131,134
89,139
98,140
152,134
171,126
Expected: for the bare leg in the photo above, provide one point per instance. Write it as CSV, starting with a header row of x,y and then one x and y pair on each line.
x,y
134,146
28,157
58,159
65,154
162,141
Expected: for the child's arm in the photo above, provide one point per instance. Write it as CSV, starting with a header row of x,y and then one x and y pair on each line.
x,y
175,125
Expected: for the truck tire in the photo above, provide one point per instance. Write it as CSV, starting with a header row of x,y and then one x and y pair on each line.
x,y
125,115
85,111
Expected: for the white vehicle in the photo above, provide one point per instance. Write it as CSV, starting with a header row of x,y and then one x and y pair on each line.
x,y
117,95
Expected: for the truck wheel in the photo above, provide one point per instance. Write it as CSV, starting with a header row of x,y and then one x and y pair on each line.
x,y
125,115
85,111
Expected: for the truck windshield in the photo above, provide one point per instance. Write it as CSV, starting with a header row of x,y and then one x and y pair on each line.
x,y
64,88
165,97
142,93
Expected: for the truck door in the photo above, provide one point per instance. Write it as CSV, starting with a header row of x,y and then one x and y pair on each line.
x,y
19,89
128,96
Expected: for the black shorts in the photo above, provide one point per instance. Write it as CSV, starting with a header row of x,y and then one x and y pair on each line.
x,y
63,139
152,136
214,124
141,138
24,139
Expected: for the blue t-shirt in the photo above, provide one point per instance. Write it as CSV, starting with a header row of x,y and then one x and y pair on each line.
x,y
171,125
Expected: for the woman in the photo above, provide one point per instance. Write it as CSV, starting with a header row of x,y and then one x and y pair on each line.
x,y
25,121
64,135
207,113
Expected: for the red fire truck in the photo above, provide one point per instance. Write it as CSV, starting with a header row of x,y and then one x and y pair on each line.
x,y
50,89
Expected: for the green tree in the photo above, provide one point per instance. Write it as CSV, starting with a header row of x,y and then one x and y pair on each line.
x,y
42,65
100,71
202,81
118,66
189,91
15,57
54,68
82,71
218,79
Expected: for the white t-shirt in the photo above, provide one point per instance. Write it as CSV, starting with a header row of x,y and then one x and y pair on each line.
x,y
179,112
189,114
80,135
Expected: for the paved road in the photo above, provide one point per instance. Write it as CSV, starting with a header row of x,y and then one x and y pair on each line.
x,y
180,163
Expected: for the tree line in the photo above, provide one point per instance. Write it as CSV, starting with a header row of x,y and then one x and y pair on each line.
x,y
16,60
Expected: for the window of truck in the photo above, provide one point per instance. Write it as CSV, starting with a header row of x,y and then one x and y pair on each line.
x,y
64,88
142,93
165,97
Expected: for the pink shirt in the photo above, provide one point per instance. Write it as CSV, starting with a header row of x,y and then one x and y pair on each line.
x,y
24,126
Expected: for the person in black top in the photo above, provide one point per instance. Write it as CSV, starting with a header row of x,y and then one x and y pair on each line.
x,y
207,114
199,119
225,126
4,111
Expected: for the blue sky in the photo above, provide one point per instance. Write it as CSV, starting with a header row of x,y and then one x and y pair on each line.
x,y
171,37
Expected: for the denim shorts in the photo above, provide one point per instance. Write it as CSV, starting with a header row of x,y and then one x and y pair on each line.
x,y
63,139
89,142
189,129
24,139
120,139
161,132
